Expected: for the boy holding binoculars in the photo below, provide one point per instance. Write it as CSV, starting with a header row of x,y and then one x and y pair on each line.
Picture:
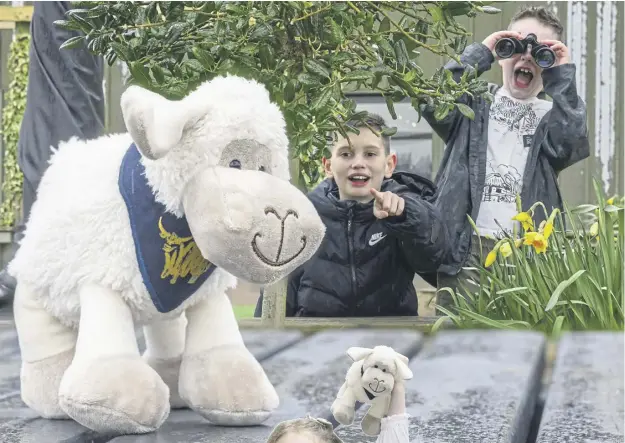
x,y
516,145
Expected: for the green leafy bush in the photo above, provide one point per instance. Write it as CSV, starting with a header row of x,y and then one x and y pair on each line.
x,y
308,54
12,114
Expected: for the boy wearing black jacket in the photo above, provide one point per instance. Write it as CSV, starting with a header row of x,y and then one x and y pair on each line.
x,y
516,145
380,230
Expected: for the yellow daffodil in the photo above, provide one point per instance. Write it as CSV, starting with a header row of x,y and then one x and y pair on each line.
x,y
537,240
547,230
529,238
518,242
251,22
525,219
490,258
506,250
610,201
594,229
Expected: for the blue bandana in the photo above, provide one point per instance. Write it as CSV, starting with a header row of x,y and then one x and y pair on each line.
x,y
170,262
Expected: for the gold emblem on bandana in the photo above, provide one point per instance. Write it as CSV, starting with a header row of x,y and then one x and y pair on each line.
x,y
182,257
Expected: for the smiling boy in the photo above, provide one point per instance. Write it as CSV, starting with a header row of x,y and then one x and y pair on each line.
x,y
380,230
515,146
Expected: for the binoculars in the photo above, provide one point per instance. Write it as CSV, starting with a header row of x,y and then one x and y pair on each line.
x,y
543,55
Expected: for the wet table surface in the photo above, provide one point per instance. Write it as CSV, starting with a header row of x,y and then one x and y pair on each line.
x,y
468,387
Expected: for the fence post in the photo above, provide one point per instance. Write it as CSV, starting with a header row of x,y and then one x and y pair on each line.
x,y
274,304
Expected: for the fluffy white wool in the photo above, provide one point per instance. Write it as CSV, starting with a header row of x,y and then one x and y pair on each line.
x,y
79,232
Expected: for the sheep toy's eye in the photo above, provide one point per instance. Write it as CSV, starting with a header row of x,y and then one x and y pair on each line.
x,y
235,164
261,169
383,370
375,366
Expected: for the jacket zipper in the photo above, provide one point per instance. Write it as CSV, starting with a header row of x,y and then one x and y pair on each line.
x,y
350,244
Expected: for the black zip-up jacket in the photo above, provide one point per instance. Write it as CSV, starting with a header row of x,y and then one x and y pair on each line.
x,y
560,140
365,266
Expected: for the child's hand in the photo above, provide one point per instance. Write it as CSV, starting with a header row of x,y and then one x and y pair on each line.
x,y
387,204
398,399
492,39
562,52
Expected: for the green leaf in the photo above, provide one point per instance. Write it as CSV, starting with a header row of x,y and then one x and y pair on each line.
x,y
489,10
266,55
561,287
389,132
322,99
466,110
140,74
386,47
359,75
391,107
203,57
308,80
441,111
68,25
401,53
436,13
336,32
73,42
123,52
260,31
78,20
410,75
194,65
289,91
158,73
385,25
557,326
315,67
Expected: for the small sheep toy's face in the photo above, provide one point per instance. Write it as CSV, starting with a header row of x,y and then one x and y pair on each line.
x,y
381,368
224,151
378,376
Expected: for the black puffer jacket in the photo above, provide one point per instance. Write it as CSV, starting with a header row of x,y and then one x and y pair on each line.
x,y
365,266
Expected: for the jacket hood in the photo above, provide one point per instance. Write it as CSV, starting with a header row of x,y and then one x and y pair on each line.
x,y
325,197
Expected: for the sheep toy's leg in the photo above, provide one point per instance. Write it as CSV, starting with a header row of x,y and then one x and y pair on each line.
x,y
372,421
108,387
164,342
47,349
219,378
344,406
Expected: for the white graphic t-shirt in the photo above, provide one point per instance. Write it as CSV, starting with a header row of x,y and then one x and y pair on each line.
x,y
511,128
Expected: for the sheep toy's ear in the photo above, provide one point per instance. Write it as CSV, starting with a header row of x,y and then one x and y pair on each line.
x,y
154,123
357,354
403,371
402,357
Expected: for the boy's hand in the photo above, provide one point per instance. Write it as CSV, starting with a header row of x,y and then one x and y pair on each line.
x,y
562,52
387,204
398,399
492,39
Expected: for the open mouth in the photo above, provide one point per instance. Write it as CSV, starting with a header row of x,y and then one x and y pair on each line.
x,y
523,77
358,180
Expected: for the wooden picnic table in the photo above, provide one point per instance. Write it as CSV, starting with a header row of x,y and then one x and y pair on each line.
x,y
468,387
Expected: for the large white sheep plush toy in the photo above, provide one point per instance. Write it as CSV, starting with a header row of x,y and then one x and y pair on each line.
x,y
370,380
150,229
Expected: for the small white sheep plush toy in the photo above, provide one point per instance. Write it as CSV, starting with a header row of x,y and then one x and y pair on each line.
x,y
150,229
370,379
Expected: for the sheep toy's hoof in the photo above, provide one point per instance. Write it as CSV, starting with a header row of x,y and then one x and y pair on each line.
x,y
343,414
169,371
120,395
40,382
228,387
371,425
